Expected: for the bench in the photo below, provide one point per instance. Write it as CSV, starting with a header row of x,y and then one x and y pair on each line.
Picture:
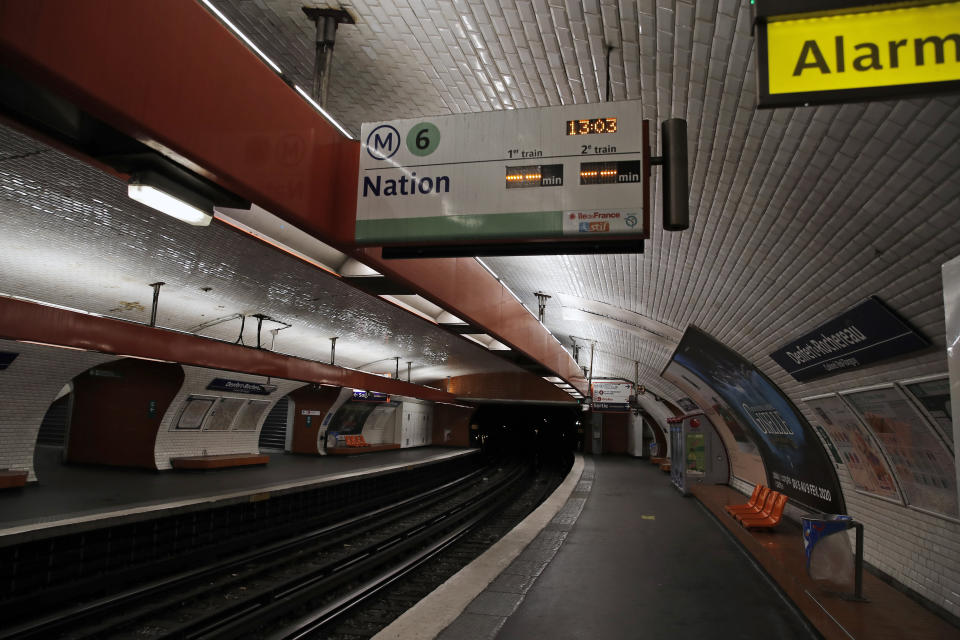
x,y
771,519
12,479
221,461
754,504
665,467
369,448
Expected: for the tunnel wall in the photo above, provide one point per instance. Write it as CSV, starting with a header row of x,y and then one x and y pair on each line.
x,y
173,442
917,549
117,410
27,388
310,399
451,425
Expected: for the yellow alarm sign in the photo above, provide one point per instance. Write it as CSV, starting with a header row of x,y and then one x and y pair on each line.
x,y
858,55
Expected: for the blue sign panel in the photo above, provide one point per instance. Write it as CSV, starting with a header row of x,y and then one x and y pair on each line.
x,y
370,396
867,333
6,358
239,386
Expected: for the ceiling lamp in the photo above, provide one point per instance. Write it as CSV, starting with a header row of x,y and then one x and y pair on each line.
x,y
165,195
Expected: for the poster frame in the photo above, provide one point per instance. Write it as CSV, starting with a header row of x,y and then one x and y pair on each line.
x,y
916,401
873,438
890,385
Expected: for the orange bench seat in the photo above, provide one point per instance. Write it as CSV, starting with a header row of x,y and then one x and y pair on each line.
x,y
221,461
12,479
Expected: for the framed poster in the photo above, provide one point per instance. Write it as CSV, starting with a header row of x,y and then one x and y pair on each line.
x,y
250,415
920,459
194,410
933,397
223,414
863,458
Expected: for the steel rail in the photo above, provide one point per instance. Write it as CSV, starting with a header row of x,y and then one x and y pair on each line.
x,y
245,616
156,589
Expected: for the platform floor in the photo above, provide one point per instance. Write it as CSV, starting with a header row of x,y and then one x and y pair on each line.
x,y
68,495
627,557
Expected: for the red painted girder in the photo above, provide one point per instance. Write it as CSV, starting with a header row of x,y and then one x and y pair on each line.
x,y
169,74
33,322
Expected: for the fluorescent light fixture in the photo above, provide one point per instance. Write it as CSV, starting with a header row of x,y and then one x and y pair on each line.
x,y
400,303
446,317
511,292
240,35
489,270
168,204
50,344
51,304
326,115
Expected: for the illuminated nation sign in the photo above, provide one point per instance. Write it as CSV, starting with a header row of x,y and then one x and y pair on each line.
x,y
571,177
848,54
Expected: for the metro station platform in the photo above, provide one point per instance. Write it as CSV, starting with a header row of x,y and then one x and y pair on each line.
x,y
70,498
622,554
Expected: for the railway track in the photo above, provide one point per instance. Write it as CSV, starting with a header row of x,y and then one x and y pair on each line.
x,y
294,587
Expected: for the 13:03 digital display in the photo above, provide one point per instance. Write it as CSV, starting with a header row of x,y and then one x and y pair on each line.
x,y
593,125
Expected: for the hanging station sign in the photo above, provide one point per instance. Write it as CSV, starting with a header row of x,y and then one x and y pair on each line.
x,y
511,182
611,396
827,51
863,335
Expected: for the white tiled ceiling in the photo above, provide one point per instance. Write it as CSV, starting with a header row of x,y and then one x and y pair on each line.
x,y
796,214
69,235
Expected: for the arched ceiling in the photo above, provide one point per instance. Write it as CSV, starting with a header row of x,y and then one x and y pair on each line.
x,y
796,213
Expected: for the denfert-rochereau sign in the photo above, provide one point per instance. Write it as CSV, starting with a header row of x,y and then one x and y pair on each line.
x,y
867,333
239,386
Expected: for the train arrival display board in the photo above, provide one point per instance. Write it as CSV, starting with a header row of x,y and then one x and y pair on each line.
x,y
567,175
795,461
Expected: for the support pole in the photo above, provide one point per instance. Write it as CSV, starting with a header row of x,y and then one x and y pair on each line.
x,y
396,376
409,364
333,350
326,21
156,297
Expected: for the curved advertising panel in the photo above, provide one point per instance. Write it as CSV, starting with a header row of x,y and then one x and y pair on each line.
x,y
796,462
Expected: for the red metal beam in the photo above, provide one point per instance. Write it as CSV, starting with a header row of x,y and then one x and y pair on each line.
x,y
172,76
32,322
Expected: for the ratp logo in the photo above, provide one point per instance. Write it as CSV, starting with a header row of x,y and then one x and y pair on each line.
x,y
383,142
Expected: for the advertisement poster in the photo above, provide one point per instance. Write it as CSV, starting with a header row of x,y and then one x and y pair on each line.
x,y
796,462
861,455
951,312
934,397
920,459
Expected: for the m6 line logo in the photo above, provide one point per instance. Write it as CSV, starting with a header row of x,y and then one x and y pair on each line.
x,y
384,141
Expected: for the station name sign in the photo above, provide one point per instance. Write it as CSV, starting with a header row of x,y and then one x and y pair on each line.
x,y
240,386
867,333
845,51
561,175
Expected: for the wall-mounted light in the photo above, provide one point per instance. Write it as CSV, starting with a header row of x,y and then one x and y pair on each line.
x,y
165,195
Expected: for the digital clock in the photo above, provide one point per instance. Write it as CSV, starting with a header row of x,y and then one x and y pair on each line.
x,y
593,125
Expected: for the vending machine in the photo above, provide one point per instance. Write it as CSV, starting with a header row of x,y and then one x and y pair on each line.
x,y
698,455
